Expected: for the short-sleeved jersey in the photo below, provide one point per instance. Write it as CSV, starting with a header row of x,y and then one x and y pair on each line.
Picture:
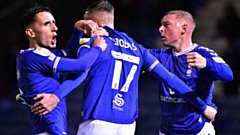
x,y
177,115
111,87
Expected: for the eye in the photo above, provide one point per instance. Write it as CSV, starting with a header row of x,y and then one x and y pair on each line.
x,y
166,24
46,23
54,22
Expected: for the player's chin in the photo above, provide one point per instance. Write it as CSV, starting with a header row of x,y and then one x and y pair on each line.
x,y
166,44
164,41
53,46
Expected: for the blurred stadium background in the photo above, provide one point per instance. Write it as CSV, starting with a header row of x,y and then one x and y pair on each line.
x,y
141,20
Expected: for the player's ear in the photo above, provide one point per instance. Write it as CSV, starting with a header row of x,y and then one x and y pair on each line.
x,y
30,33
184,28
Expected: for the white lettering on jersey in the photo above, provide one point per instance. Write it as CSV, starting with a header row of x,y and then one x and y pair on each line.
x,y
123,43
118,100
116,75
42,51
126,57
172,99
118,70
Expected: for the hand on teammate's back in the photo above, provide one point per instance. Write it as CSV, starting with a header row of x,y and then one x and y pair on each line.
x,y
100,32
47,103
99,41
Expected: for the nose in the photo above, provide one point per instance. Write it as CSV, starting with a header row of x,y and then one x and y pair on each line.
x,y
55,28
161,29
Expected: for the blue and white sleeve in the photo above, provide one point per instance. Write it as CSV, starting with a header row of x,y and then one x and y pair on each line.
x,y
176,84
77,65
70,84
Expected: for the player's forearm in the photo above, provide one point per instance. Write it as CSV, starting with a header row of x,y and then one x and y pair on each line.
x,y
70,84
80,64
74,39
220,70
178,86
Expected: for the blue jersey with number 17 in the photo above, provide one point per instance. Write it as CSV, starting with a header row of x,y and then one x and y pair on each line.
x,y
111,87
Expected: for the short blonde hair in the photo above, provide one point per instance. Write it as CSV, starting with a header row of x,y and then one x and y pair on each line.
x,y
186,16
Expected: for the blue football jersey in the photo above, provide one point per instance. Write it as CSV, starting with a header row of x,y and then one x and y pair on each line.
x,y
39,71
177,115
111,87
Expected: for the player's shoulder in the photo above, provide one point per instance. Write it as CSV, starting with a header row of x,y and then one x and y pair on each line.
x,y
203,49
199,47
161,50
84,40
41,51
34,53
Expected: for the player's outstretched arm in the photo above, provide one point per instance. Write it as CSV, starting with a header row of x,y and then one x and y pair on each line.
x,y
176,84
86,61
49,101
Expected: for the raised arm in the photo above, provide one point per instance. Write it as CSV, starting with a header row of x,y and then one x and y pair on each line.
x,y
49,100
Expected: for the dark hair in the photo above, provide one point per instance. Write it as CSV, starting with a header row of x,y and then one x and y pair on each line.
x,y
101,5
29,16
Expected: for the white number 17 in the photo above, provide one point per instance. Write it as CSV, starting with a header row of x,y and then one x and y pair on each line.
x,y
118,70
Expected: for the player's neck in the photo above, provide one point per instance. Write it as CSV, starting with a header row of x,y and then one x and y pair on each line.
x,y
33,44
183,46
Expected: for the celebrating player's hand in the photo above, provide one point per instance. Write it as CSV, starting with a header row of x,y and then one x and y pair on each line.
x,y
47,103
100,32
86,26
210,113
99,41
196,60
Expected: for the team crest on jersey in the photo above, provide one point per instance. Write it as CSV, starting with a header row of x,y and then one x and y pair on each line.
x,y
189,71
83,40
42,51
218,59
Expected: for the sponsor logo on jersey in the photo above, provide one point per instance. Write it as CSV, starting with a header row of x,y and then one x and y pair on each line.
x,y
189,71
83,40
118,102
42,51
218,59
172,99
